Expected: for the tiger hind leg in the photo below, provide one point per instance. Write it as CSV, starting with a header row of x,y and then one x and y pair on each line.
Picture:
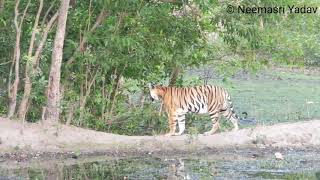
x,y
215,123
233,117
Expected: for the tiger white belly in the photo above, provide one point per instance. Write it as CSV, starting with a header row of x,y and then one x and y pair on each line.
x,y
203,110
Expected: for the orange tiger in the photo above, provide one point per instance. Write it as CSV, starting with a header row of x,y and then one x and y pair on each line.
x,y
199,99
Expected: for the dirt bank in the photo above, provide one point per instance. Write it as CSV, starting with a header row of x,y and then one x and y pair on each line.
x,y
36,138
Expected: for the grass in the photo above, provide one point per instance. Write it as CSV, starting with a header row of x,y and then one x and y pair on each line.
x,y
277,101
273,97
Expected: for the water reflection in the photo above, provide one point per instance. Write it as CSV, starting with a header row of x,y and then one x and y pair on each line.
x,y
163,168
177,170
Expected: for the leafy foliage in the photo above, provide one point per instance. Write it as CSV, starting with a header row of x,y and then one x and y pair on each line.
x,y
114,48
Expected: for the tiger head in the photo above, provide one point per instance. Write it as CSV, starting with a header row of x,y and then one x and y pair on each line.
x,y
156,92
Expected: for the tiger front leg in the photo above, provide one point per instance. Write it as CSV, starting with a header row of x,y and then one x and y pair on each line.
x,y
172,124
181,124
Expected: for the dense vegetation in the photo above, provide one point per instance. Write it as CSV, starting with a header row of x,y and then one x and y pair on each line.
x,y
113,49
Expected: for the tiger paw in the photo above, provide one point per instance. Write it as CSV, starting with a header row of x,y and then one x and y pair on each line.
x,y
178,134
169,134
207,133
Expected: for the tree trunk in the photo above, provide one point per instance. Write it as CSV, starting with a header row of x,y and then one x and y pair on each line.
x,y
53,91
113,94
31,68
104,96
83,99
118,82
1,6
172,82
174,76
71,109
115,86
13,89
27,84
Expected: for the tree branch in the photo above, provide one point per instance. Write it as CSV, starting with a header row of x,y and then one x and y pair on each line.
x,y
46,14
103,14
171,1
44,39
24,14
36,22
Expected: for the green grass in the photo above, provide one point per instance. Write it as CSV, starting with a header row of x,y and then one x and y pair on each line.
x,y
273,97
271,101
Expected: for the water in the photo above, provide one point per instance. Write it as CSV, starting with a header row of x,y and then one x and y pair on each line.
x,y
297,165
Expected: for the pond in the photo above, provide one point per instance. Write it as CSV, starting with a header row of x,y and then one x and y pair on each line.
x,y
224,165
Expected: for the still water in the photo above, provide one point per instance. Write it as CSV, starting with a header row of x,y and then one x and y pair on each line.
x,y
297,165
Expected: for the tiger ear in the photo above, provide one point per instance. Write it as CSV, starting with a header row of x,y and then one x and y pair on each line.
x,y
151,86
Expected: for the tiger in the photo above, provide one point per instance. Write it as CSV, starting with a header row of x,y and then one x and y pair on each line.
x,y
210,99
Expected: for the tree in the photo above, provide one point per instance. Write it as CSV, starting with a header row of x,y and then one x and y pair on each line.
x,y
13,88
33,63
53,91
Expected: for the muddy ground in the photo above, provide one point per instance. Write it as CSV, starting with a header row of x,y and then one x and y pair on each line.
x,y
34,141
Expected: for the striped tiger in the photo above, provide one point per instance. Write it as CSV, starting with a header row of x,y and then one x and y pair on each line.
x,y
199,99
